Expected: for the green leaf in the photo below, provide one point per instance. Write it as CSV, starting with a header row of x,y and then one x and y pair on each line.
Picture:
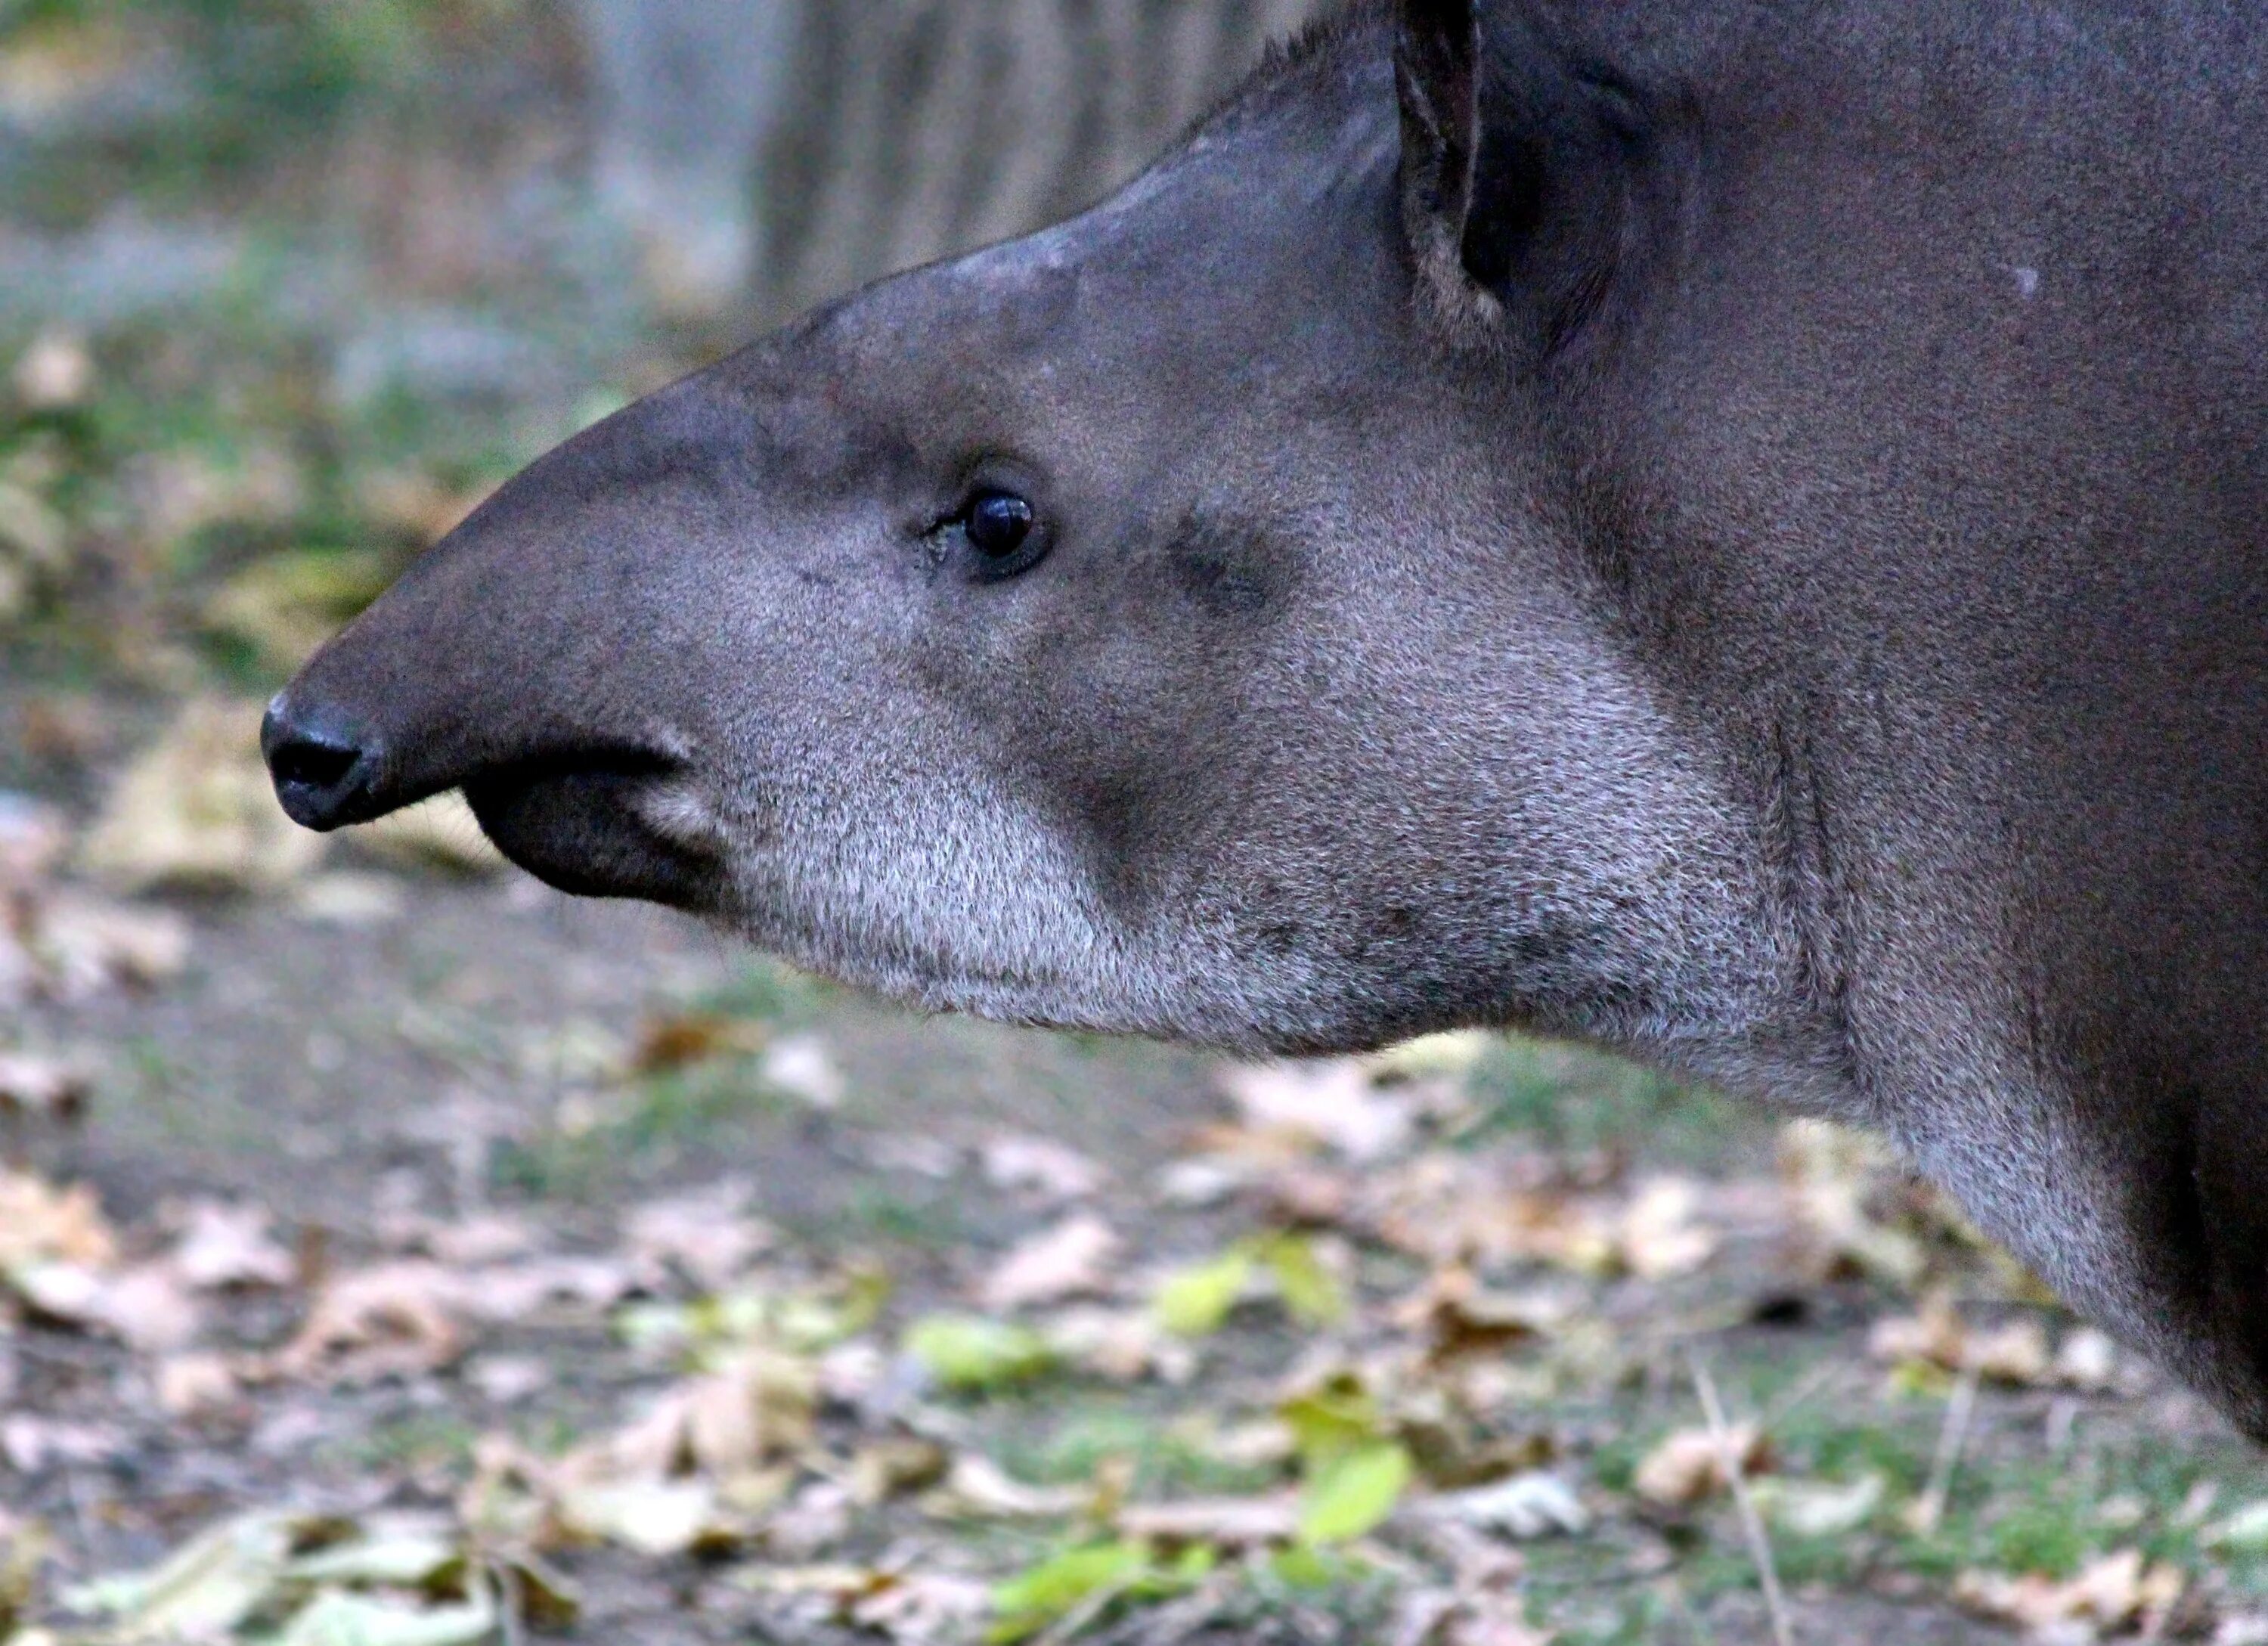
x,y
1354,1493
406,1556
1036,1597
1195,1303
204,1590
1309,1289
1335,1417
972,1355
2244,1533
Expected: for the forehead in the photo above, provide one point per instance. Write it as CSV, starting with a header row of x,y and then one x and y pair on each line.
x,y
1281,204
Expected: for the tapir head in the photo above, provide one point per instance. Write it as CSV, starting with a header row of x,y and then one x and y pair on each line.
x,y
1456,543
1170,621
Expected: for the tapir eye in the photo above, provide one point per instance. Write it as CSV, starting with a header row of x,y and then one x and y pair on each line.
x,y
998,524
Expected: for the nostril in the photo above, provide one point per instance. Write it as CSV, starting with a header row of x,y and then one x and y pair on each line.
x,y
312,761
324,773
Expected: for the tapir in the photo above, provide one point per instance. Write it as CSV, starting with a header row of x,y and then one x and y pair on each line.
x,y
1731,530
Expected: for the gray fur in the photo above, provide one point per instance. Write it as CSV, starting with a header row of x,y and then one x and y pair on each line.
x,y
1765,572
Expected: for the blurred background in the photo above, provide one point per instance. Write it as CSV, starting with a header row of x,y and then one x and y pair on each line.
x,y
394,1253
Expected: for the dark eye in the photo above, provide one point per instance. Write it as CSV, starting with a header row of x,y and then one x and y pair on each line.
x,y
998,524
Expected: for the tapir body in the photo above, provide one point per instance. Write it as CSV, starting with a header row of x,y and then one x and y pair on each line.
x,y
1728,529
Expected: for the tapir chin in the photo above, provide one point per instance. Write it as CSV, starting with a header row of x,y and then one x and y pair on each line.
x,y
1732,530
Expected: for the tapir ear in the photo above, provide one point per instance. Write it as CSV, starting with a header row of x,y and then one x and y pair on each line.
x,y
1518,166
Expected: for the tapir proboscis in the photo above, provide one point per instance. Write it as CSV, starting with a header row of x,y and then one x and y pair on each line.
x,y
1732,530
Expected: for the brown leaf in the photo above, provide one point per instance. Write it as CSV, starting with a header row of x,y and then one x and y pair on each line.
x,y
195,807
977,1487
42,1224
1688,1465
1122,1345
31,1443
191,1385
394,1320
1331,1103
1039,1166
680,1038
85,945
2116,1591
758,1405
708,1234
885,1469
1226,1523
49,1088
56,373
1458,1318
1069,1260
223,1245
1660,1236
2015,1352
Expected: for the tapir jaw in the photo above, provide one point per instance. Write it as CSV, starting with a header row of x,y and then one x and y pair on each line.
x,y
603,826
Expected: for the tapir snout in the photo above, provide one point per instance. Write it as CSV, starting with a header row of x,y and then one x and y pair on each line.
x,y
543,660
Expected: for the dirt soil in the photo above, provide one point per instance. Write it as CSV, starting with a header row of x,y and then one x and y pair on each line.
x,y
461,1058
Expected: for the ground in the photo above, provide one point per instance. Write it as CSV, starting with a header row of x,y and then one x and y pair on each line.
x,y
446,1081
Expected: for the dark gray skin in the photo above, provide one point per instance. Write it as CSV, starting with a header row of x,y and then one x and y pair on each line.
x,y
1731,531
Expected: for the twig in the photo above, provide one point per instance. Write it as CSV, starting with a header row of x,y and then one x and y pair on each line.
x,y
1929,1509
1794,1398
1752,1524
505,1580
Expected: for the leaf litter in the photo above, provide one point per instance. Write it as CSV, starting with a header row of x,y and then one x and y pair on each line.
x,y
825,1446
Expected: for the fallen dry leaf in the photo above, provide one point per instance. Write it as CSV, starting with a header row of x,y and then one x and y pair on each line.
x,y
197,809
1690,1465
41,1223
897,1465
1039,1166
1819,1508
194,1384
759,1405
394,1320
977,1487
2119,1590
223,1245
1331,1103
678,1039
56,373
1223,1522
1535,1505
1660,1236
1457,1317
1121,1345
802,1067
31,1443
2014,1352
708,1234
1072,1260
49,1088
